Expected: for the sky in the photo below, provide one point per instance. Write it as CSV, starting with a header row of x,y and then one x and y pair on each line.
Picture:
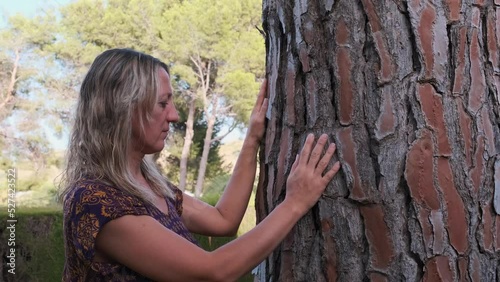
x,y
26,7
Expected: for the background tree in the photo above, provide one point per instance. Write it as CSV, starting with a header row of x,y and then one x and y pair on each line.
x,y
213,44
21,98
193,35
117,24
64,42
29,109
170,159
409,91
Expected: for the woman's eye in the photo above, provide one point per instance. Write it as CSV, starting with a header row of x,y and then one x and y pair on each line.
x,y
163,104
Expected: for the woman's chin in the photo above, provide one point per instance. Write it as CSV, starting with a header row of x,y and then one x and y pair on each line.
x,y
153,150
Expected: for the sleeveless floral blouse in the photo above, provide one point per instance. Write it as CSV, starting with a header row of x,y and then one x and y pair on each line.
x,y
87,209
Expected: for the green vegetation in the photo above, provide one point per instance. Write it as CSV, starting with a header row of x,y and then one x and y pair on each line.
x,y
39,244
34,187
213,193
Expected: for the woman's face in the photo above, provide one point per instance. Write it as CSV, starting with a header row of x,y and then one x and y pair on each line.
x,y
152,139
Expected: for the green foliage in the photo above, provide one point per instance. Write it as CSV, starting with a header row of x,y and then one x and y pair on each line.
x,y
220,33
21,52
250,218
209,243
241,91
39,244
34,187
213,192
199,27
214,189
38,31
215,166
185,74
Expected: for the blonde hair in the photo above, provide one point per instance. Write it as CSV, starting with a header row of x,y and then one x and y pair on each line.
x,y
119,84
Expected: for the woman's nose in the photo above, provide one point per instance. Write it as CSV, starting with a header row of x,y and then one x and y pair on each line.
x,y
173,116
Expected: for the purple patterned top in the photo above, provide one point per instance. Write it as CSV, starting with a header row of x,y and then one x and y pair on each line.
x,y
87,209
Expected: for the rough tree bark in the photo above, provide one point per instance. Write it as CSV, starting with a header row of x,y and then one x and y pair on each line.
x,y
409,91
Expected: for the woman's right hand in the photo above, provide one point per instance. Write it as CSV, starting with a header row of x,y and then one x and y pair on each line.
x,y
257,123
308,179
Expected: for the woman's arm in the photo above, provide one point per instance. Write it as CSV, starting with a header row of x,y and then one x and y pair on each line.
x,y
144,245
225,218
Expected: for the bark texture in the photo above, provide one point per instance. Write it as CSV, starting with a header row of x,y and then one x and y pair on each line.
x,y
409,91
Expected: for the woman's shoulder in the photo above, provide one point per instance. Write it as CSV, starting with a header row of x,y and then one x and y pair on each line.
x,y
178,197
90,191
102,201
173,188
94,187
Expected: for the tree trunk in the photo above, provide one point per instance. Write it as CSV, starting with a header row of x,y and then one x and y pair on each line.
x,y
409,91
11,90
211,118
188,140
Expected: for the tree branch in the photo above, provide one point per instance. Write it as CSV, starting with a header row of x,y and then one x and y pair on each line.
x,y
199,68
13,78
231,128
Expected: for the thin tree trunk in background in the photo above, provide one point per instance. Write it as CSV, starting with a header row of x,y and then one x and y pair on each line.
x,y
409,91
10,91
188,140
211,118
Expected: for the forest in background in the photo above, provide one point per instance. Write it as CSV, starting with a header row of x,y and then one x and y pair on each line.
x,y
216,54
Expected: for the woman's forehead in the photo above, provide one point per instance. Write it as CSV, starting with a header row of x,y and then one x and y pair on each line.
x,y
165,88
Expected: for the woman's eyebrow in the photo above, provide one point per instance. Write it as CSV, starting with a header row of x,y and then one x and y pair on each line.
x,y
168,95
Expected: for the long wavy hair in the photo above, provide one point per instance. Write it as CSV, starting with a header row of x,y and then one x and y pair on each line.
x,y
119,84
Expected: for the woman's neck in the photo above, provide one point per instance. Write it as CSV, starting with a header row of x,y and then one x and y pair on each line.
x,y
134,161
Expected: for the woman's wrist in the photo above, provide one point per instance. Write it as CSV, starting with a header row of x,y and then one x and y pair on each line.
x,y
252,142
297,210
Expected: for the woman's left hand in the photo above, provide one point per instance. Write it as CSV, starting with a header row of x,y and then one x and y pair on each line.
x,y
256,127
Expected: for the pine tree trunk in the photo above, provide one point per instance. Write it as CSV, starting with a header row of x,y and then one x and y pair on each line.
x,y
409,91
211,118
11,88
188,140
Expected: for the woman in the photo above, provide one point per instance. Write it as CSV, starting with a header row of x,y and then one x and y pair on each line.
x,y
124,222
